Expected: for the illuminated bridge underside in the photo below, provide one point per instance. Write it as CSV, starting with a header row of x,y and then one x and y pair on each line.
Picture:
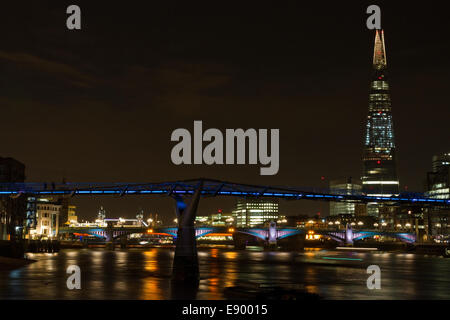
x,y
210,188
260,233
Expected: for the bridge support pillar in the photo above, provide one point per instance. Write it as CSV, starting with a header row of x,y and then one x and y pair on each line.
x,y
123,242
109,236
272,238
348,235
239,241
185,264
293,243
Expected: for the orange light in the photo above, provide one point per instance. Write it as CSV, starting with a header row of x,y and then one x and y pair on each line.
x,y
82,234
231,230
218,235
150,231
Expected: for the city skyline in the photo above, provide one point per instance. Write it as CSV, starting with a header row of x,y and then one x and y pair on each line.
x,y
218,157
310,85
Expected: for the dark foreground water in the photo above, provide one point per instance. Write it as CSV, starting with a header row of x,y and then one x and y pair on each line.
x,y
145,274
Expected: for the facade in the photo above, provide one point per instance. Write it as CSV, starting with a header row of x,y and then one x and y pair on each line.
x,y
438,187
218,219
202,220
72,215
257,211
221,219
344,186
12,210
379,159
47,218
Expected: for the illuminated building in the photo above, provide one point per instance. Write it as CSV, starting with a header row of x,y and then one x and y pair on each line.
x,y
253,212
438,179
219,219
379,160
47,218
344,186
202,220
438,187
72,215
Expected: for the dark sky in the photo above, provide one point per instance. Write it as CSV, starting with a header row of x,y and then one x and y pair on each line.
x,y
99,104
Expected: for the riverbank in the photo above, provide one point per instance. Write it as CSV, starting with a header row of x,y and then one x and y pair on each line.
x,y
13,263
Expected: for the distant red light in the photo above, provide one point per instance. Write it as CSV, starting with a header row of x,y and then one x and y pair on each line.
x,y
378,161
322,178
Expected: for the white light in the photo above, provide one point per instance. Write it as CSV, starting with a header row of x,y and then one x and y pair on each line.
x,y
380,182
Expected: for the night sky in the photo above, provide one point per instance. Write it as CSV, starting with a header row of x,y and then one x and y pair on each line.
x,y
100,104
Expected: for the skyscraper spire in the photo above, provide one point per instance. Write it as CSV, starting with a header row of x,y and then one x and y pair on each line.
x,y
379,51
380,173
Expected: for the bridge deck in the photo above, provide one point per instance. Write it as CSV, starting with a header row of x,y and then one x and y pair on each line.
x,y
211,188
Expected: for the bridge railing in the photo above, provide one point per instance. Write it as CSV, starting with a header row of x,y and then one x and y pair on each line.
x,y
212,188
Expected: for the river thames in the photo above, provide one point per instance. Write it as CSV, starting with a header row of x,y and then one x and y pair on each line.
x,y
145,274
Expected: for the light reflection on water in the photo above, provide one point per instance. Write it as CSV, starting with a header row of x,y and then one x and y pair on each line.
x,y
145,274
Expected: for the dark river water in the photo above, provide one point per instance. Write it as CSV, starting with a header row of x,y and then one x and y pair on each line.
x,y
145,274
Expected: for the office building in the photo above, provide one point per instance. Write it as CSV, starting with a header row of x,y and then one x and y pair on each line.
x,y
348,187
251,212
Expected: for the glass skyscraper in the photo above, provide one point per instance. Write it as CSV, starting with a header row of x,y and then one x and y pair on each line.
x,y
255,211
344,186
379,173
